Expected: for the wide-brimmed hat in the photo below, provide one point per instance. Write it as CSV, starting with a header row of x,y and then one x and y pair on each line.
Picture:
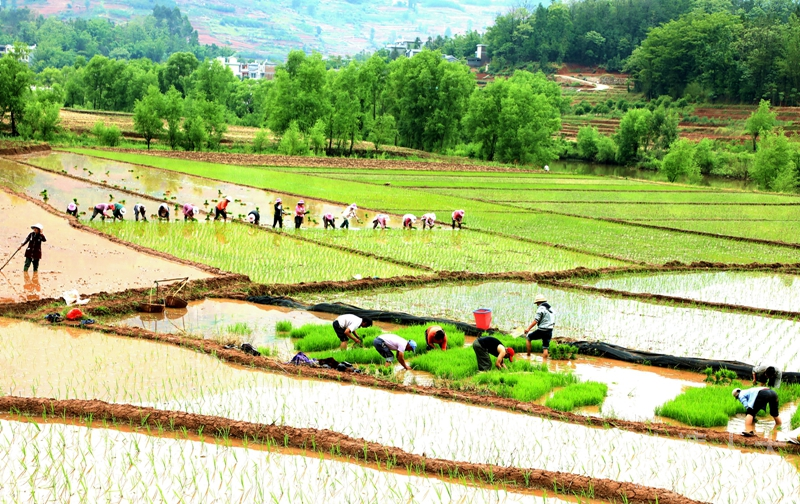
x,y
37,226
228,199
251,218
72,207
278,200
301,202
195,210
123,211
413,345
540,299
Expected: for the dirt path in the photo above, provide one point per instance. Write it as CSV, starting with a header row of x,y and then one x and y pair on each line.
x,y
595,86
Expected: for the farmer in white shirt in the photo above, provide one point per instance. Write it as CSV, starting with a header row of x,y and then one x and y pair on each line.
x,y
767,374
409,220
386,343
346,326
350,212
545,319
428,220
754,400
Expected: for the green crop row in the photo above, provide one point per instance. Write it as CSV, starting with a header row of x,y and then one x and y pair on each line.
x,y
786,231
669,211
578,395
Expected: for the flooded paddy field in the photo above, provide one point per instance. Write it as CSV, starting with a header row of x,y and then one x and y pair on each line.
x,y
178,379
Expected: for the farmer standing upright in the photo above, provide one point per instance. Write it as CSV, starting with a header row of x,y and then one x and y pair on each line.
x,y
489,345
277,219
349,213
545,319
221,210
34,251
299,213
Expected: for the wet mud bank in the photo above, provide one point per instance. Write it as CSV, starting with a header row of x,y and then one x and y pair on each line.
x,y
332,442
9,149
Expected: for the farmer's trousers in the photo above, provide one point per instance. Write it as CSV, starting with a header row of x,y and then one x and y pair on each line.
x,y
277,221
345,224
96,213
484,359
220,213
28,262
298,221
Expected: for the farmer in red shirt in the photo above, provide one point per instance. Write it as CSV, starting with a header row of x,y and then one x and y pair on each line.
x,y
221,209
435,335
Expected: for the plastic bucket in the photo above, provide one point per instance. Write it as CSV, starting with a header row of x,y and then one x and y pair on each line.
x,y
483,318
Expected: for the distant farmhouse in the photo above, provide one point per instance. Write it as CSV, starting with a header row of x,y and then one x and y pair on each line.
x,y
409,48
243,71
5,49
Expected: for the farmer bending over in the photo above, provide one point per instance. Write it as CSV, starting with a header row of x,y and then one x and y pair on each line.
x,y
428,220
385,343
754,400
190,212
457,216
435,335
349,213
221,210
34,251
119,212
163,212
101,210
409,220
328,220
545,320
138,209
346,326
380,220
489,345
254,217
767,374
72,209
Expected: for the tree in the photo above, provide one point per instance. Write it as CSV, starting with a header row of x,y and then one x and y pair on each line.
x,y
15,86
40,119
176,71
587,142
774,167
680,161
632,133
760,122
704,156
298,93
147,115
383,131
292,142
172,112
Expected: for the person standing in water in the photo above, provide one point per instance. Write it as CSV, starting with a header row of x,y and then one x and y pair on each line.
x,y
489,345
299,213
545,319
163,212
350,212
754,400
329,221
345,327
34,251
139,210
435,335
190,212
277,219
72,209
767,374
381,220
101,209
409,220
429,219
254,217
221,210
119,212
457,216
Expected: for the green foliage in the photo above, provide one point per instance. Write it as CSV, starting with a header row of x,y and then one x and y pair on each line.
x,y
107,135
578,395
316,337
530,384
299,93
704,156
15,83
261,141
172,113
632,134
147,115
774,167
760,122
454,364
383,131
721,376
709,406
679,161
357,355
292,143
561,351
40,119
587,142
606,149
316,137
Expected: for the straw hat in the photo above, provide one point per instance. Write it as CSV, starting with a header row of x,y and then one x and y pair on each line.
x,y
228,199
195,210
251,218
301,202
278,200
123,211
37,226
72,207
540,299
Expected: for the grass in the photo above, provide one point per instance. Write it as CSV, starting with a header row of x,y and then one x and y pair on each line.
x,y
239,329
710,406
530,385
577,395
283,327
454,364
320,337
355,355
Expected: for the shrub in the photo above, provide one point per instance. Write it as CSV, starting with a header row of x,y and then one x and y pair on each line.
x,y
578,395
292,142
602,108
710,406
107,135
587,142
623,105
261,141
606,149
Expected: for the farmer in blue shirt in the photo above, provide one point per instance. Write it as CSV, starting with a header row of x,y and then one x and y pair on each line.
x,y
754,400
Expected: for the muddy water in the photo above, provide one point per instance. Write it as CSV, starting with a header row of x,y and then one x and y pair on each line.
x,y
60,463
776,291
182,188
72,259
656,328
61,191
89,365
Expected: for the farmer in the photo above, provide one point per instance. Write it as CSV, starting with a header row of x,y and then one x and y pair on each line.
x,y
190,212
349,213
435,335
345,326
545,319
380,220
221,210
754,400
163,211
254,217
277,220
547,168
489,345
119,212
34,251
767,374
328,220
409,220
428,220
386,343
457,216
101,210
72,209
138,209
299,213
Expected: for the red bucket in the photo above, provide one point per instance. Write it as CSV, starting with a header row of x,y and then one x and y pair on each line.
x,y
483,318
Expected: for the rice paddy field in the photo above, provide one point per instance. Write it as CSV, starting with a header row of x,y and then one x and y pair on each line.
x,y
168,406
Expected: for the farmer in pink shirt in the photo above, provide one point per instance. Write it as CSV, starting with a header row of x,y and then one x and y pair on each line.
x,y
409,220
101,210
428,220
328,219
190,212
380,220
458,216
299,212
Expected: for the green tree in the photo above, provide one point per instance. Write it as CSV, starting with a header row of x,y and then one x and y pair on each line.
x,y
292,142
680,161
40,119
704,155
383,131
172,113
175,73
587,142
298,93
633,131
15,86
316,136
774,168
760,122
606,149
147,115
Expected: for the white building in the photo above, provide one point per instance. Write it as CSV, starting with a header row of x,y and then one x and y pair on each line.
x,y
257,70
5,49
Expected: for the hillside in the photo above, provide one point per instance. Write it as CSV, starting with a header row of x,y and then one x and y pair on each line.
x,y
270,28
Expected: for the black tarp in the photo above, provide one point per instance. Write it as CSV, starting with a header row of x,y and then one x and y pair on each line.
x,y
596,348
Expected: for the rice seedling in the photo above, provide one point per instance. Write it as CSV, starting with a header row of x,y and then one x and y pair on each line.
x,y
354,355
454,364
320,337
576,395
242,329
710,406
283,327
525,386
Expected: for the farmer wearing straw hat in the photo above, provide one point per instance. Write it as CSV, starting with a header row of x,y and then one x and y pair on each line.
x,y
329,221
767,374
754,400
254,217
163,211
139,209
190,212
489,345
428,220
349,213
457,216
277,219
101,209
386,343
545,319
72,209
409,220
119,212
380,220
299,213
434,335
34,251
221,210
